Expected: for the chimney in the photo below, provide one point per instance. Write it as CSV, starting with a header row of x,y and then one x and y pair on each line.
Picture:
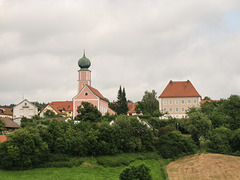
x,y
170,82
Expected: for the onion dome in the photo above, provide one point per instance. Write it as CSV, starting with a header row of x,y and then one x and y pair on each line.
x,y
84,63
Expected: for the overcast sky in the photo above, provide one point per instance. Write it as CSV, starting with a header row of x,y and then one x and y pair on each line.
x,y
140,45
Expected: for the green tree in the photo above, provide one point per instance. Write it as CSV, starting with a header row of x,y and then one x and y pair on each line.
x,y
174,145
140,172
151,102
235,139
2,126
198,125
121,103
88,112
231,108
140,107
53,135
49,114
23,149
220,140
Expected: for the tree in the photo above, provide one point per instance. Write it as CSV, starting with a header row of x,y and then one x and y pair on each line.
x,y
198,125
49,114
121,104
140,108
2,126
140,172
88,112
151,102
220,140
174,145
231,108
235,139
23,149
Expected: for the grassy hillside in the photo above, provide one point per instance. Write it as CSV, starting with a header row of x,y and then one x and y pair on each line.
x,y
90,169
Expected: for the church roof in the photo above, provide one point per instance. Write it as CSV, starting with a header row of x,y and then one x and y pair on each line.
x,y
180,89
97,93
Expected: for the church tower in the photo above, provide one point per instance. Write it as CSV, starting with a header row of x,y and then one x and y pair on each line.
x,y
84,74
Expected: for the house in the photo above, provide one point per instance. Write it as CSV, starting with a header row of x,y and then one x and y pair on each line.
x,y
3,138
24,109
64,107
131,108
6,112
86,92
54,109
10,125
177,97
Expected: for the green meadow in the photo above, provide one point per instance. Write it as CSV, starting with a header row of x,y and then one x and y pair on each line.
x,y
90,169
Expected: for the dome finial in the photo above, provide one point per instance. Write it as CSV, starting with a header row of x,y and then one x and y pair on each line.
x,y
84,63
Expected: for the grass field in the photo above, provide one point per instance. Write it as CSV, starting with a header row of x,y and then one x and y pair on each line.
x,y
89,170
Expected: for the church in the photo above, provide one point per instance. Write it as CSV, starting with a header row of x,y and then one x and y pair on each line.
x,y
86,92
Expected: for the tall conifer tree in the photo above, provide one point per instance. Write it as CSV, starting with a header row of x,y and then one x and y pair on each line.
x,y
122,107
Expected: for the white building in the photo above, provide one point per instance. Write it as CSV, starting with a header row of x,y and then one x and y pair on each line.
x,y
24,109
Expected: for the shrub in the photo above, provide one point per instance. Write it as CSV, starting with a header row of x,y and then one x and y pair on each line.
x,y
23,149
235,139
140,172
220,140
173,145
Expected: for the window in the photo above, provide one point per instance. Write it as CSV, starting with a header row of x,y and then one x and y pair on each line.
x,y
86,94
170,101
182,101
195,101
189,101
176,109
164,110
164,102
183,109
177,101
170,109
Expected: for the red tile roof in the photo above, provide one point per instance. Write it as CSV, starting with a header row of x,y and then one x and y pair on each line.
x,y
10,123
54,108
203,101
132,110
66,105
6,111
97,93
179,89
3,138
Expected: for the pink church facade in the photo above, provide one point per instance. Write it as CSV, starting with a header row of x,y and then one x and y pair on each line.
x,y
86,92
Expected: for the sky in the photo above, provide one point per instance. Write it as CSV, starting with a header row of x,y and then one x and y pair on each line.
x,y
140,45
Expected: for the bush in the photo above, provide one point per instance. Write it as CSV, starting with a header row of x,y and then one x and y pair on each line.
x,y
140,172
220,140
235,139
23,149
173,145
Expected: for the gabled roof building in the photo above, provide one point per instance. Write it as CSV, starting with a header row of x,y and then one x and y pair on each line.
x,y
86,92
177,97
6,112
